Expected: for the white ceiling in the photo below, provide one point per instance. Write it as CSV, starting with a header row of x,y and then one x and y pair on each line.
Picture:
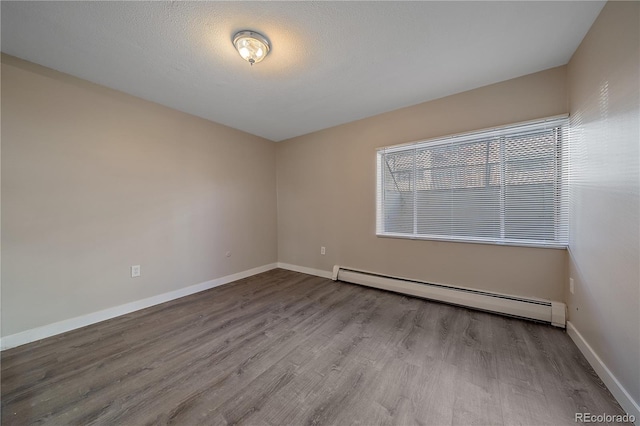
x,y
331,62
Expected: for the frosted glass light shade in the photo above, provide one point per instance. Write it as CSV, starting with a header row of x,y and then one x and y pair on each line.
x,y
252,46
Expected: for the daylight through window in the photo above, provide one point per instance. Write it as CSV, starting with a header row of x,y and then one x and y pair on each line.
x,y
503,186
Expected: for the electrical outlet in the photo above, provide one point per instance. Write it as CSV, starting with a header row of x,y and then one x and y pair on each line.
x,y
571,286
135,271
322,250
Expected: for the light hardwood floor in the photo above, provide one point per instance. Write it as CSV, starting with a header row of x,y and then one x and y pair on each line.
x,y
288,348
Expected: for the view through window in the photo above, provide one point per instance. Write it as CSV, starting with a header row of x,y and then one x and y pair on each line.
x,y
506,185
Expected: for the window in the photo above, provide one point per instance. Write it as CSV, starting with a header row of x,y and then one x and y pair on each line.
x,y
501,186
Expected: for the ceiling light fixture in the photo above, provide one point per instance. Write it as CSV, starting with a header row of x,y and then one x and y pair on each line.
x,y
252,46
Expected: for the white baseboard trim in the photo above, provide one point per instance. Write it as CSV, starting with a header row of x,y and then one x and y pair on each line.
x,y
619,392
49,330
305,270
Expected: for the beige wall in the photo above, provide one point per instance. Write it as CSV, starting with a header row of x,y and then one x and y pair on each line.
x,y
605,243
326,193
94,180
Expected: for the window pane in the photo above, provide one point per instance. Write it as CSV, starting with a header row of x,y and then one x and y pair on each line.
x,y
530,186
497,186
398,193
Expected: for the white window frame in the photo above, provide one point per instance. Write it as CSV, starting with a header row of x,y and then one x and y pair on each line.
x,y
562,175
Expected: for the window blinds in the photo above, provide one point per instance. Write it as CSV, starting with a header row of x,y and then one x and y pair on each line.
x,y
506,186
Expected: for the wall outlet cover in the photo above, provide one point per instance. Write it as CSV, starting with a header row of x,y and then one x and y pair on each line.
x,y
135,271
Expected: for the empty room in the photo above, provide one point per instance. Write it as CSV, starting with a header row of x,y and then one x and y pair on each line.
x,y
320,213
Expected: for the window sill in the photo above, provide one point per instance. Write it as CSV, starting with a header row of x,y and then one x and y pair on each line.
x,y
514,243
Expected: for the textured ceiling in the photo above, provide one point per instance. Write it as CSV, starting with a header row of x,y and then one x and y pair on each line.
x,y
331,62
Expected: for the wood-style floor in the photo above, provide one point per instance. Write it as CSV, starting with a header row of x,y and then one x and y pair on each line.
x,y
287,348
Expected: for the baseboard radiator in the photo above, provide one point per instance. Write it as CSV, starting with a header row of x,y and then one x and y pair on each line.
x,y
536,309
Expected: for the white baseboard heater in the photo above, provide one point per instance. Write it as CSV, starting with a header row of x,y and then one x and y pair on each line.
x,y
536,309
